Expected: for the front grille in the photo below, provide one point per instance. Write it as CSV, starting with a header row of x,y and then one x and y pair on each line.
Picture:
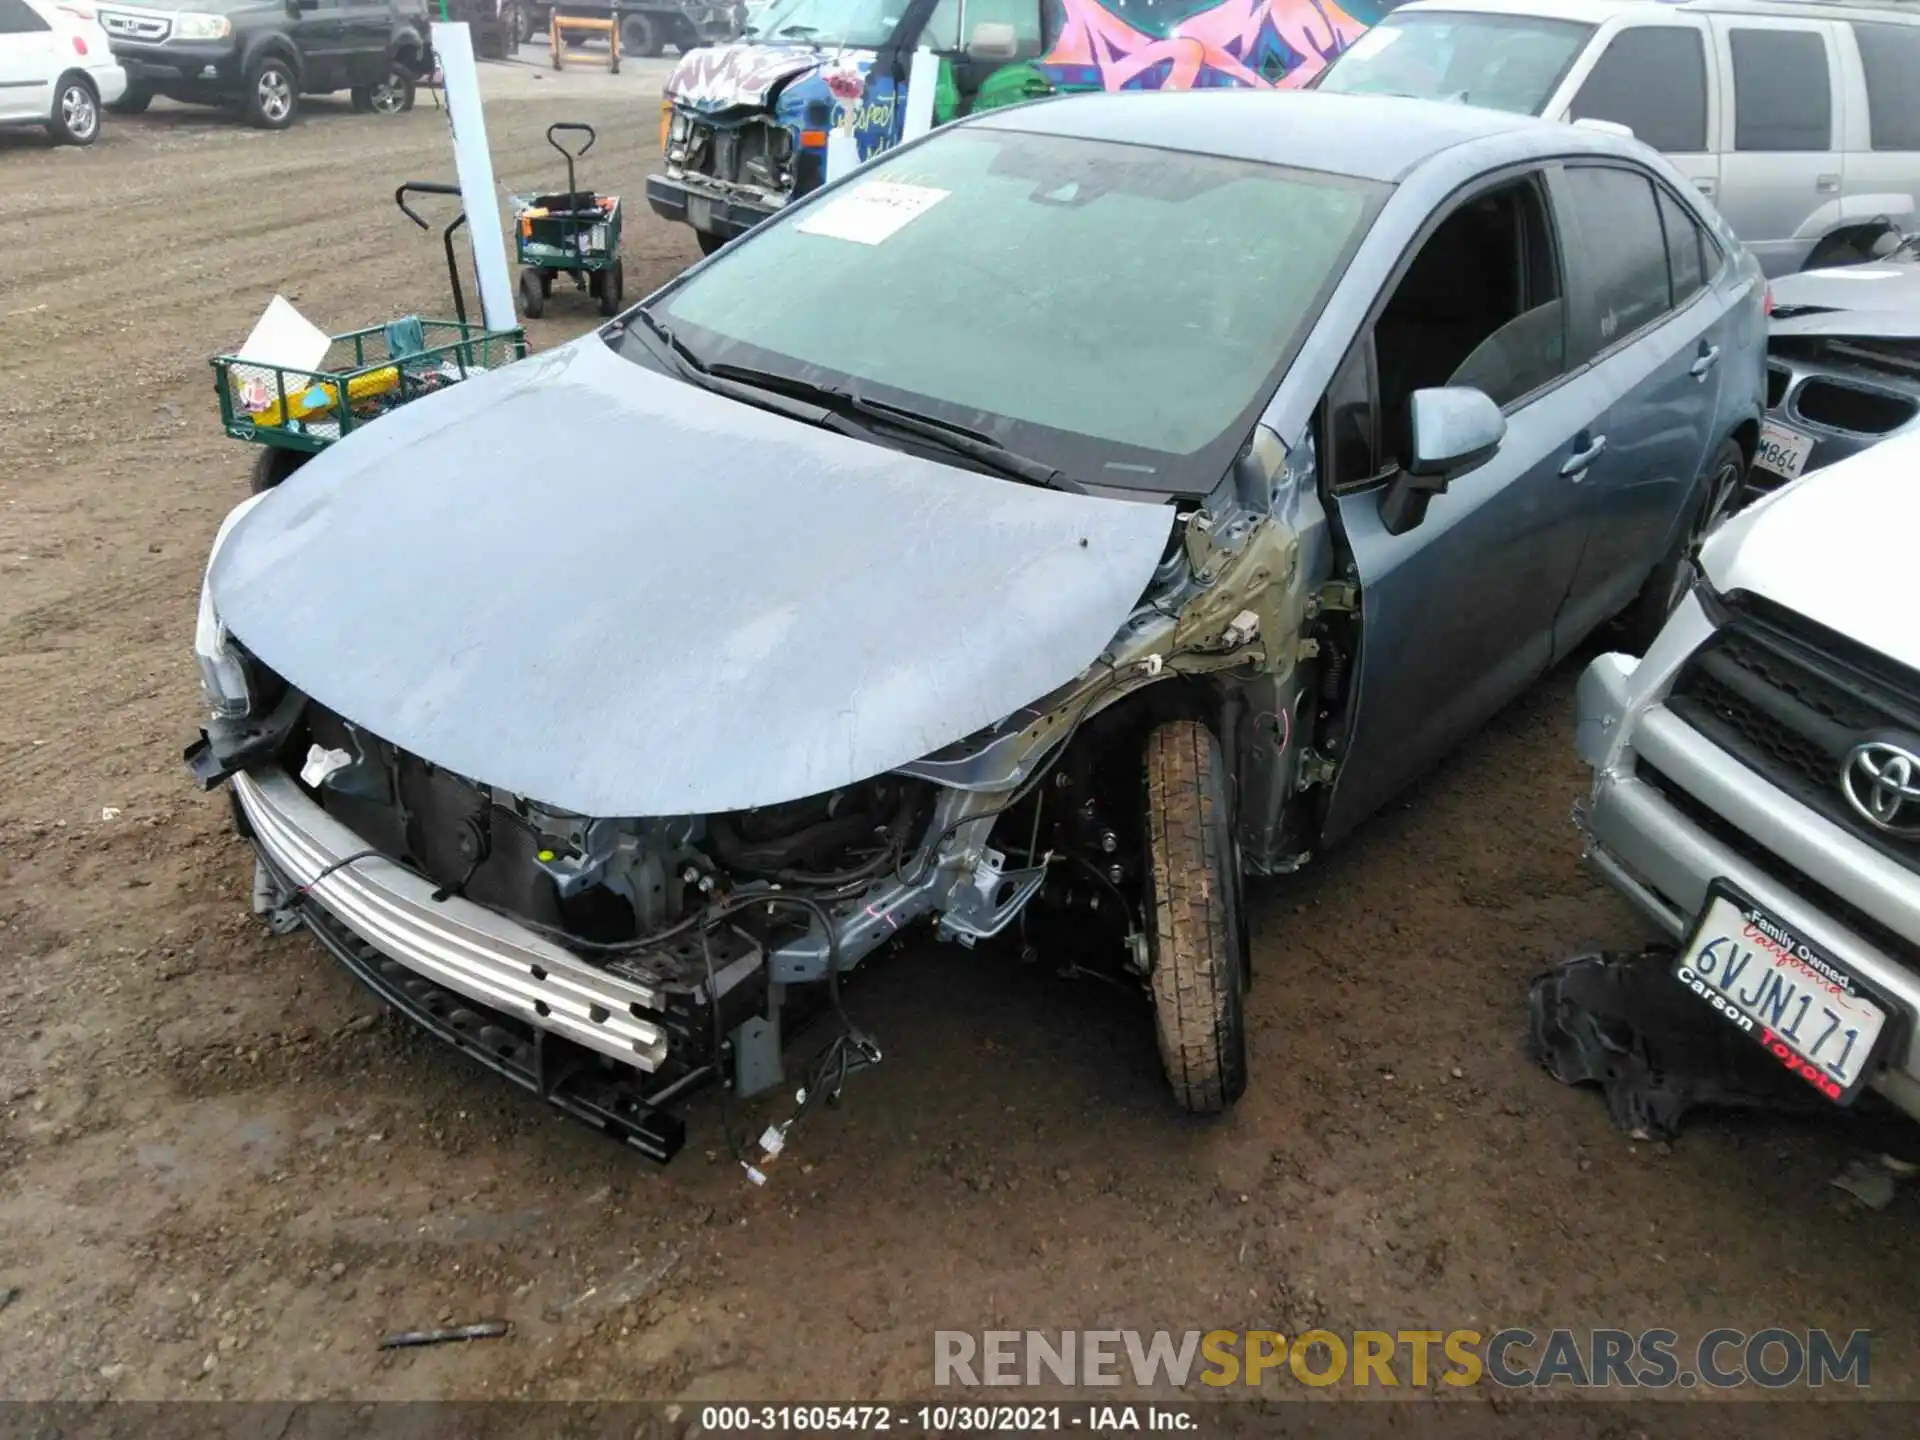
x,y
753,153
127,25
1789,700
1791,877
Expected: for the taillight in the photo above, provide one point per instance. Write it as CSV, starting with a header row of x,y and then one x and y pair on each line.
x,y
79,45
1766,299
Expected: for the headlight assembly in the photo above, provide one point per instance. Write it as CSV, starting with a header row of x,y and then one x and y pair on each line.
x,y
223,673
191,26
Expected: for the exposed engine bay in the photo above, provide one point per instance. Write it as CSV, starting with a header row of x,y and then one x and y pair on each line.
x,y
601,881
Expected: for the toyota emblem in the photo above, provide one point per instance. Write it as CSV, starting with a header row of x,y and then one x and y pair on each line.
x,y
1882,783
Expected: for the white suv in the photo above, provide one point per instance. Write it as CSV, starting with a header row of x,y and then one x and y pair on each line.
x,y
1757,776
56,69
1800,122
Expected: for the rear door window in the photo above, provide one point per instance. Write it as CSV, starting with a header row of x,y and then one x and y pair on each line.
x,y
1781,96
1890,55
1691,256
1653,79
1616,216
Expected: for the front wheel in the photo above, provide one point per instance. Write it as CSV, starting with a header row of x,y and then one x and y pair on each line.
x,y
76,112
1195,938
533,294
1715,498
273,94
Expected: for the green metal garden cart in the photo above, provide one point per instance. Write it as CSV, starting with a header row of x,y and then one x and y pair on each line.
x,y
574,233
295,414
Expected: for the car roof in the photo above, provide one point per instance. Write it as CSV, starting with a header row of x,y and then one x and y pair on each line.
x,y
1368,137
1595,12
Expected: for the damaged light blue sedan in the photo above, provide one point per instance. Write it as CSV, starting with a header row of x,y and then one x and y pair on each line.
x,y
1052,523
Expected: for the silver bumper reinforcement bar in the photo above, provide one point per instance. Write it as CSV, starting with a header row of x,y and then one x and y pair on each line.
x,y
468,948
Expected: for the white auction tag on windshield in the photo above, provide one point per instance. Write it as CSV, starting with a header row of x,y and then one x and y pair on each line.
x,y
871,211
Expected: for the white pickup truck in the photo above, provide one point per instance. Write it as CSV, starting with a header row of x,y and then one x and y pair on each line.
x,y
1757,775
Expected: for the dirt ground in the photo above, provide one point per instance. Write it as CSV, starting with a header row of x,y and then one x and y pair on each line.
x,y
224,1173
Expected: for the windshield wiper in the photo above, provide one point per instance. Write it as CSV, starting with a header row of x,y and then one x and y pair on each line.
x,y
826,406
662,342
798,30
984,451
682,357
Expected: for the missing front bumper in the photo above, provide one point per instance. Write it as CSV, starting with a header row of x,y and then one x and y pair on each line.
x,y
446,940
606,1049
624,1103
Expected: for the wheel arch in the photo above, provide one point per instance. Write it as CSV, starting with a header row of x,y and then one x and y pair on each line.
x,y
278,46
410,50
1747,436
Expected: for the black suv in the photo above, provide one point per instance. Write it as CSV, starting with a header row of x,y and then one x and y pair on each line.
x,y
263,55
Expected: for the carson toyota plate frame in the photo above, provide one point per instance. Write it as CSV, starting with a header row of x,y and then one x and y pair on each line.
x,y
1787,952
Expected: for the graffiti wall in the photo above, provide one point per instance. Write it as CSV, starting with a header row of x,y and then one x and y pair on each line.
x,y
1192,44
827,84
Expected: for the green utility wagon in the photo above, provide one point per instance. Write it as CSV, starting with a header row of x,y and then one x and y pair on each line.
x,y
294,414
574,233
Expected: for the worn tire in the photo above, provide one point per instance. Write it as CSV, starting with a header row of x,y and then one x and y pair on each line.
x,y
272,465
1714,499
1195,937
709,242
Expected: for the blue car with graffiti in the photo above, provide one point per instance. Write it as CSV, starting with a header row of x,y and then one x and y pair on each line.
x,y
746,127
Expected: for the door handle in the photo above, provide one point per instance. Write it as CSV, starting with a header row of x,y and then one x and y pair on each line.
x,y
1827,184
1577,463
1700,368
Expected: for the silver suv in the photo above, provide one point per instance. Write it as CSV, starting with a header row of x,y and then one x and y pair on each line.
x,y
1801,122
1757,777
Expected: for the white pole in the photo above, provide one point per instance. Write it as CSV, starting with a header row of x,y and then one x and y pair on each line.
x,y
453,45
923,78
843,153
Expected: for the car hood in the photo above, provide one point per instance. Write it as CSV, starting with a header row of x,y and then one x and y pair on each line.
x,y
609,591
720,77
1882,294
1818,547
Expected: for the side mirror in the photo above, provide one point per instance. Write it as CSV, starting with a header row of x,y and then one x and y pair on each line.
x,y
1451,431
993,40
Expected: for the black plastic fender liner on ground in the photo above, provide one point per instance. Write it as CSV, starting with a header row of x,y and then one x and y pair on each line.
x,y
1622,1022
